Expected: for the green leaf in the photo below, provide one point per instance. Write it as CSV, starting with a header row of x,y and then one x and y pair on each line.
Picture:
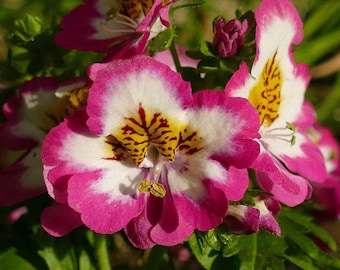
x,y
249,38
188,3
303,262
156,258
28,27
58,253
85,262
311,227
310,52
204,254
248,252
162,41
271,250
317,19
206,49
11,260
232,247
296,229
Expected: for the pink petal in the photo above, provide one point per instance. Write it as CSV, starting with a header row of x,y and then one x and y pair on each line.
x,y
22,180
124,74
205,213
59,220
286,187
114,214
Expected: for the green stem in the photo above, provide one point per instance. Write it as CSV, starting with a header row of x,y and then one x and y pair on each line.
x,y
102,252
175,57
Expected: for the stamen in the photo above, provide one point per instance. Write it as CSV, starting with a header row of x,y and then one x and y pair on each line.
x,y
156,189
103,26
132,23
112,15
286,134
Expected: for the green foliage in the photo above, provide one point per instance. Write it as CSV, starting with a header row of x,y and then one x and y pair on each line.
x,y
30,51
162,42
263,250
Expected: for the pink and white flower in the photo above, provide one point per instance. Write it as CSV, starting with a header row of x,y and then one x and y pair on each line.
x,y
244,219
328,193
149,157
118,28
39,105
276,87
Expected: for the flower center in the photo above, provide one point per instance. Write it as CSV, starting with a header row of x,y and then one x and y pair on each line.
x,y
144,132
151,140
135,9
67,105
127,14
266,94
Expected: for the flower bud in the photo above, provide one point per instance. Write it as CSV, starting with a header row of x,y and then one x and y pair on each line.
x,y
229,36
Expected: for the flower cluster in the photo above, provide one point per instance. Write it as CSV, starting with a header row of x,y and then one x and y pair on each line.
x,y
134,147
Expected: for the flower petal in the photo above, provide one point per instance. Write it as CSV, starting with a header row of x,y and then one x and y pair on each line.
x,y
286,187
229,126
96,194
59,219
123,85
22,180
303,157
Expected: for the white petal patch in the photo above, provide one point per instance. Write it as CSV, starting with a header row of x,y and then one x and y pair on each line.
x,y
87,151
120,180
189,180
36,110
145,88
278,146
118,177
217,128
292,97
275,37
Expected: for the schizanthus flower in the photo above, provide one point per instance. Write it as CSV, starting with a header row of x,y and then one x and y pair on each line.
x,y
39,105
148,157
243,219
276,88
117,28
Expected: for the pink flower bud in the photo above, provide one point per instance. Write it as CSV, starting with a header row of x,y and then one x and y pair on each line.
x,y
229,36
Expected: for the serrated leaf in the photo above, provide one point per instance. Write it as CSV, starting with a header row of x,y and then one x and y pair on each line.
x,y
28,27
232,247
205,256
